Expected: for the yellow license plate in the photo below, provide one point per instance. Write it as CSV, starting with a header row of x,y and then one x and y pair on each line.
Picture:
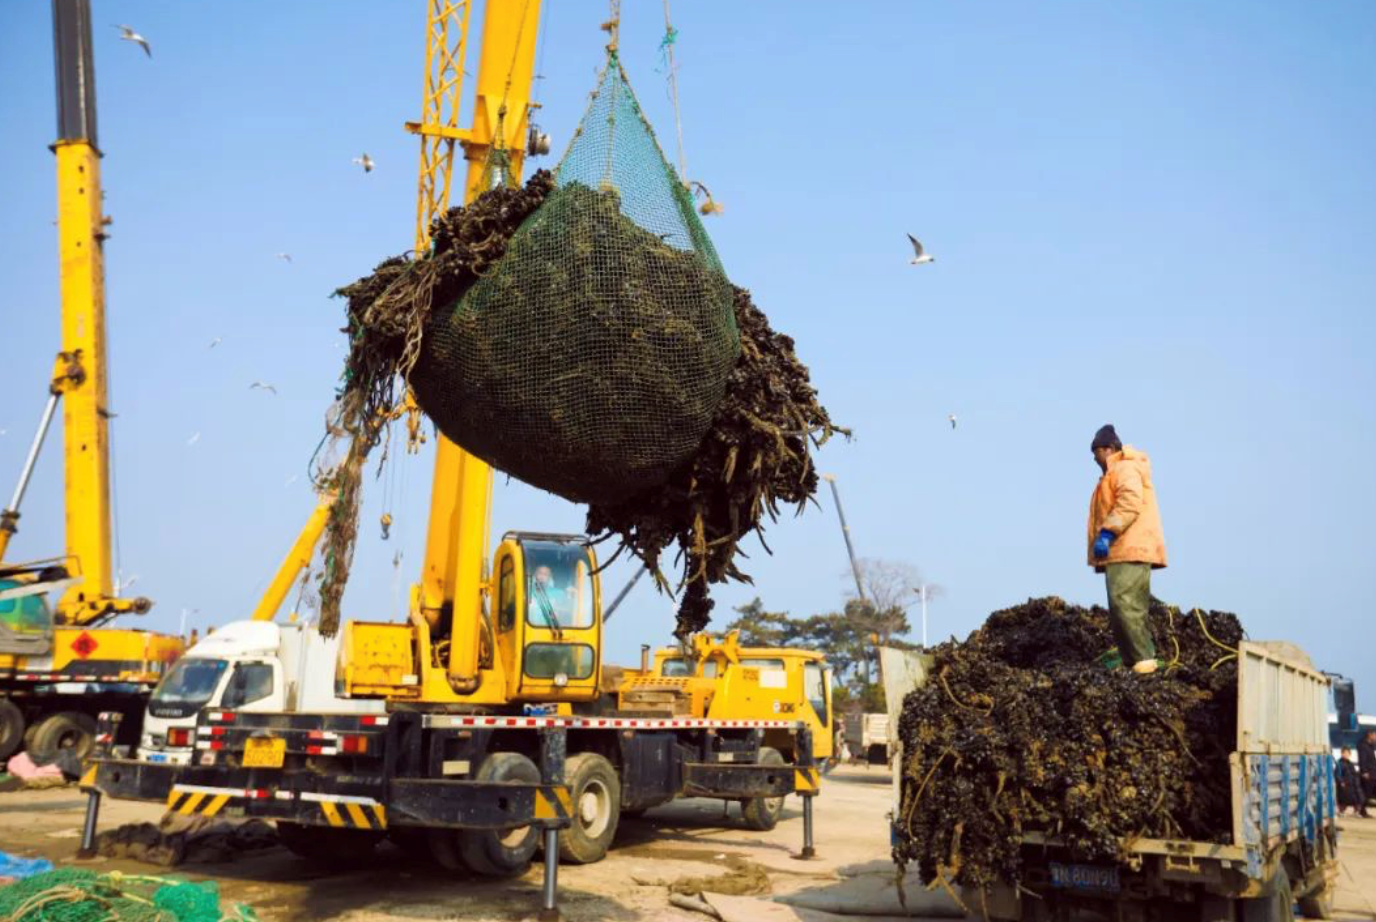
x,y
265,753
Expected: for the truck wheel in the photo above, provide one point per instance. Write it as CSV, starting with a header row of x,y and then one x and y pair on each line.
x,y
762,813
327,845
501,852
595,792
63,730
1278,907
11,728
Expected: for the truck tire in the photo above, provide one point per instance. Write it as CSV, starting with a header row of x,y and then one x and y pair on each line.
x,y
595,793
762,813
326,845
11,728
63,730
501,852
1278,907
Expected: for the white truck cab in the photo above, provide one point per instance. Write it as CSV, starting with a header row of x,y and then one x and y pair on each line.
x,y
253,666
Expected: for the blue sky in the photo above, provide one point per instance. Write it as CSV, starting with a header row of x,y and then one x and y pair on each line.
x,y
1155,214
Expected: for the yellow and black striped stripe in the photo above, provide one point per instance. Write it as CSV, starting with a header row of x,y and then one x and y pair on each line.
x,y
351,815
195,803
807,780
553,803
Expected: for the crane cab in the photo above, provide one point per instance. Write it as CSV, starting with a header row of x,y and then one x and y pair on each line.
x,y
539,640
548,616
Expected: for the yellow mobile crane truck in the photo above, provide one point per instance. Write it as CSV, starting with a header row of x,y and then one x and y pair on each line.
x,y
502,733
60,668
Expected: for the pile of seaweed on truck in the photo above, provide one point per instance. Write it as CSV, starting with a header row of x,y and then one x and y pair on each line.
x,y
754,458
1023,728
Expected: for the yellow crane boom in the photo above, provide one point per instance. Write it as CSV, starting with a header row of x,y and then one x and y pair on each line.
x,y
461,499
80,372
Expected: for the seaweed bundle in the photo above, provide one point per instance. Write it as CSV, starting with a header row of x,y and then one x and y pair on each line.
x,y
414,320
1022,728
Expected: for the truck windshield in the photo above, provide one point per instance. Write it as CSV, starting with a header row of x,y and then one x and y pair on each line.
x,y
191,681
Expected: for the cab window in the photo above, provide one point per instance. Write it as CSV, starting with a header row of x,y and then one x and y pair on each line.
x,y
558,585
27,614
815,682
762,663
506,595
546,660
676,667
250,682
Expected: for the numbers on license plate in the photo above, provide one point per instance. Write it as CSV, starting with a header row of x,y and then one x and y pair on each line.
x,y
264,753
1084,877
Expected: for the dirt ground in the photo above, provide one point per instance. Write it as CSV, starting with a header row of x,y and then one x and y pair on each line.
x,y
675,843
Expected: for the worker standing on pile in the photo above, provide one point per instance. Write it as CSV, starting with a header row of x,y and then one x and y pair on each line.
x,y
1126,543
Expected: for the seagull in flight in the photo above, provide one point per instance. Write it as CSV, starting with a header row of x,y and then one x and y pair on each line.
x,y
262,386
196,437
127,34
285,256
952,419
920,255
215,342
365,161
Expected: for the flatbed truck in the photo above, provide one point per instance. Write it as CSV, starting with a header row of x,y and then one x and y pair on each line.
x,y
1282,846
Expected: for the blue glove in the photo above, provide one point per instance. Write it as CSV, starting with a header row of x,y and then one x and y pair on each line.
x,y
1102,542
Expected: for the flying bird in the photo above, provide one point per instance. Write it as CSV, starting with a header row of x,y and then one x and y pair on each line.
x,y
286,256
952,418
365,161
194,439
920,255
215,342
127,34
262,386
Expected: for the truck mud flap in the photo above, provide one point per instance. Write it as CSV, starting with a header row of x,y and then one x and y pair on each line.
x,y
478,805
702,779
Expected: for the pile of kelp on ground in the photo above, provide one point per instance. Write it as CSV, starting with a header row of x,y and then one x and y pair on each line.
x,y
1024,728
754,459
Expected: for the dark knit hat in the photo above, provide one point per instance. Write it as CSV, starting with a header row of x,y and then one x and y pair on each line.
x,y
1106,437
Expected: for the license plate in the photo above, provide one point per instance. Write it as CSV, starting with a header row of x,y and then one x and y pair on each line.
x,y
157,757
1085,877
265,753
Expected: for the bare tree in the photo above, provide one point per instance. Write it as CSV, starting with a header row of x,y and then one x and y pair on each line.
x,y
891,588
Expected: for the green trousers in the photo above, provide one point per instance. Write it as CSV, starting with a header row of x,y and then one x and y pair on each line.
x,y
1129,595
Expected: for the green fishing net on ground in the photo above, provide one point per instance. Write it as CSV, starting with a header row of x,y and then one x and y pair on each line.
x,y
590,359
80,895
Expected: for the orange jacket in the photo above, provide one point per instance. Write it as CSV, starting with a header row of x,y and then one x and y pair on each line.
x,y
1124,502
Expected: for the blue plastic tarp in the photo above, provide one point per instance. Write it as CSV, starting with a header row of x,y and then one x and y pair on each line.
x,y
15,867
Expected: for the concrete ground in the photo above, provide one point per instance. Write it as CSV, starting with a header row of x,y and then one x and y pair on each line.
x,y
687,839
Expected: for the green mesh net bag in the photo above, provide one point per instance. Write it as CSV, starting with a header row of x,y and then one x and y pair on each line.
x,y
80,895
590,359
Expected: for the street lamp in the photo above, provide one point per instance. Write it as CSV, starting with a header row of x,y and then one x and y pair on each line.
x,y
922,593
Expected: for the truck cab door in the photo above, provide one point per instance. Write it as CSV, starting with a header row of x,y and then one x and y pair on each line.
x,y
817,691
255,686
